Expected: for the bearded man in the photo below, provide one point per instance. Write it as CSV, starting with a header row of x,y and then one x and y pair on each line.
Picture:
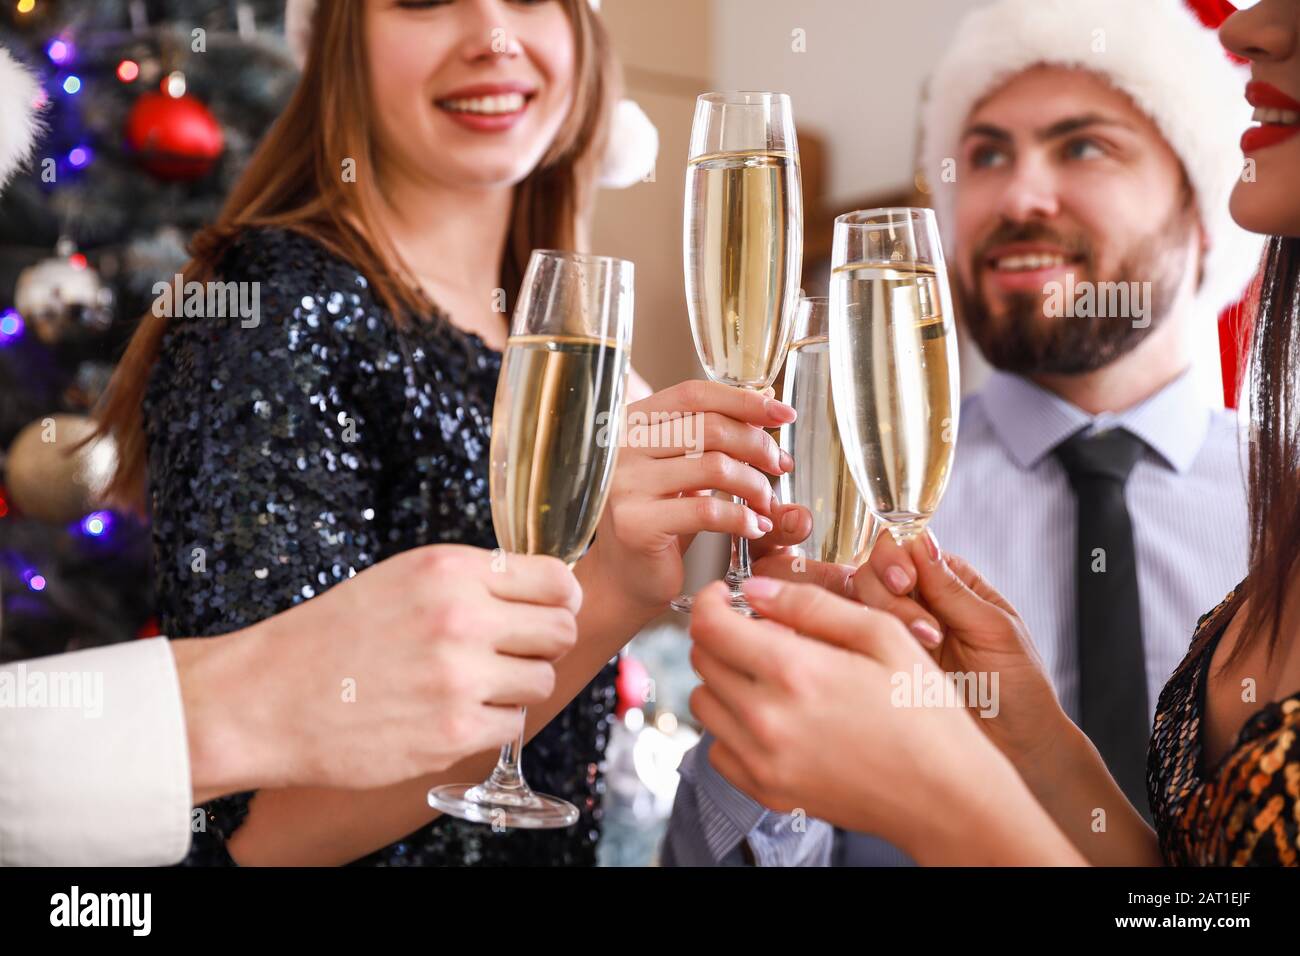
x,y
1081,154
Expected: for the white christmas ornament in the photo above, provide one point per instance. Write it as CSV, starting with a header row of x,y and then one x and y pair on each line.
x,y
633,140
57,296
18,124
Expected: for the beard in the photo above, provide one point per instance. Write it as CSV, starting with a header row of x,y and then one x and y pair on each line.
x,y
1024,339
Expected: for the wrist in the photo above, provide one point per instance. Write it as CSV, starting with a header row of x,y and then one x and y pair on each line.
x,y
230,747
1060,747
986,815
604,594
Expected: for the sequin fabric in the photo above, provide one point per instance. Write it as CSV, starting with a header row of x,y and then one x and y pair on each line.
x,y
1246,810
288,456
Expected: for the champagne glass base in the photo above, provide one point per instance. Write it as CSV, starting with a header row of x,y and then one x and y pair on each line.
x,y
503,808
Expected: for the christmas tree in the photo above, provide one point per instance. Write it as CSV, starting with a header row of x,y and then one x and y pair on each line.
x,y
151,109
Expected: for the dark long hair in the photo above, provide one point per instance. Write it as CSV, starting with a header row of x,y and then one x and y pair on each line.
x,y
1274,446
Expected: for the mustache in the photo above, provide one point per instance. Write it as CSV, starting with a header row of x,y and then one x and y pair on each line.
x,y
1075,245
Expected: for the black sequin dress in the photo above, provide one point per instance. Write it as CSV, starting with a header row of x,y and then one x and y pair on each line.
x,y
287,456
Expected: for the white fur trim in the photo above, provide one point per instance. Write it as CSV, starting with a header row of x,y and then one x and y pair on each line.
x,y
632,150
18,123
633,139
1158,53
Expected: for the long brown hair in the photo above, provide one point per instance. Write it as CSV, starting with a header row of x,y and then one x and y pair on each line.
x,y
294,181
1274,476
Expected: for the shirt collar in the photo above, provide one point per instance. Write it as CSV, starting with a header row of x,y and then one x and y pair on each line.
x,y
1031,421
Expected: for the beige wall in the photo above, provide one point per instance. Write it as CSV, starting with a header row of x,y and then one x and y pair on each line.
x,y
666,49
854,70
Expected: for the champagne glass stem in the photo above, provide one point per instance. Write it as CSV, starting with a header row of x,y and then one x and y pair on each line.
x,y
508,773
740,569
905,531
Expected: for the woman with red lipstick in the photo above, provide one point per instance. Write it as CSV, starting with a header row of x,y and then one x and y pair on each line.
x,y
820,706
429,147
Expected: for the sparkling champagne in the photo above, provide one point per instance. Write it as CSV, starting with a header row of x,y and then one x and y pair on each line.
x,y
555,436
894,376
821,482
743,257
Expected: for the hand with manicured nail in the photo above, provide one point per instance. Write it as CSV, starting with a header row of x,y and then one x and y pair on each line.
x,y
791,525
811,719
965,624
681,444
968,627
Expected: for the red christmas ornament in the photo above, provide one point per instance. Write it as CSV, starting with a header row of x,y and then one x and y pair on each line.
x,y
174,137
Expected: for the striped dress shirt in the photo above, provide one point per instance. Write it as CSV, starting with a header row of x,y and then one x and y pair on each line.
x,y
1010,511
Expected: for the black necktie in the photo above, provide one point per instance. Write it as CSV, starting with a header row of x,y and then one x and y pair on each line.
x,y
1112,666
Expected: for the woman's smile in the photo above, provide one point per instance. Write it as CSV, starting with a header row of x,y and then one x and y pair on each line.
x,y
488,107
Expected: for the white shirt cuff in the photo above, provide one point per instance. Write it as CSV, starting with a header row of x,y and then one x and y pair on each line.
x,y
94,759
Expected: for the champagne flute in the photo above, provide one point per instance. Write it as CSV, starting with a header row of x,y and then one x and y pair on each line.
x,y
556,427
843,526
742,250
894,370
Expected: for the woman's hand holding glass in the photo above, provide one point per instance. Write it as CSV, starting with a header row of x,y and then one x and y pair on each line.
x,y
959,618
680,444
801,705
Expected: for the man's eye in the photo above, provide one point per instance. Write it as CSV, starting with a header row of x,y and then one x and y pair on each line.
x,y
987,157
1083,149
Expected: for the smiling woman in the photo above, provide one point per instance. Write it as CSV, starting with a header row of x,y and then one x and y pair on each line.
x,y
386,218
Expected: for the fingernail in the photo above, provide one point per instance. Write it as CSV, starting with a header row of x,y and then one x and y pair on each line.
x,y
787,462
926,634
764,524
790,521
762,587
898,580
931,545
779,410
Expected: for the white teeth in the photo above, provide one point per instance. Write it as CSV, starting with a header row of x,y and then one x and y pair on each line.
x,y
1029,262
1277,117
487,105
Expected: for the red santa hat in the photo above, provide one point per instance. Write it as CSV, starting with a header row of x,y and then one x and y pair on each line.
x,y
1159,52
19,94
633,144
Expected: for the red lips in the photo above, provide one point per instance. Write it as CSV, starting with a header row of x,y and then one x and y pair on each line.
x,y
1269,97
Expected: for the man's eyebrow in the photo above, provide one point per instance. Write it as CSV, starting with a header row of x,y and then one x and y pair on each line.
x,y
1075,123
1058,129
988,131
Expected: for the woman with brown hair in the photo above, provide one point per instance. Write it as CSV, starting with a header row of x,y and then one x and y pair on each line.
x,y
386,218
859,719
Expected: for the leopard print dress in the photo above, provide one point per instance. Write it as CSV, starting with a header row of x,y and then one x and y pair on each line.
x,y
1244,810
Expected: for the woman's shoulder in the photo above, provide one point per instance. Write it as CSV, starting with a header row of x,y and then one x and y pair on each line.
x,y
289,269
279,305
